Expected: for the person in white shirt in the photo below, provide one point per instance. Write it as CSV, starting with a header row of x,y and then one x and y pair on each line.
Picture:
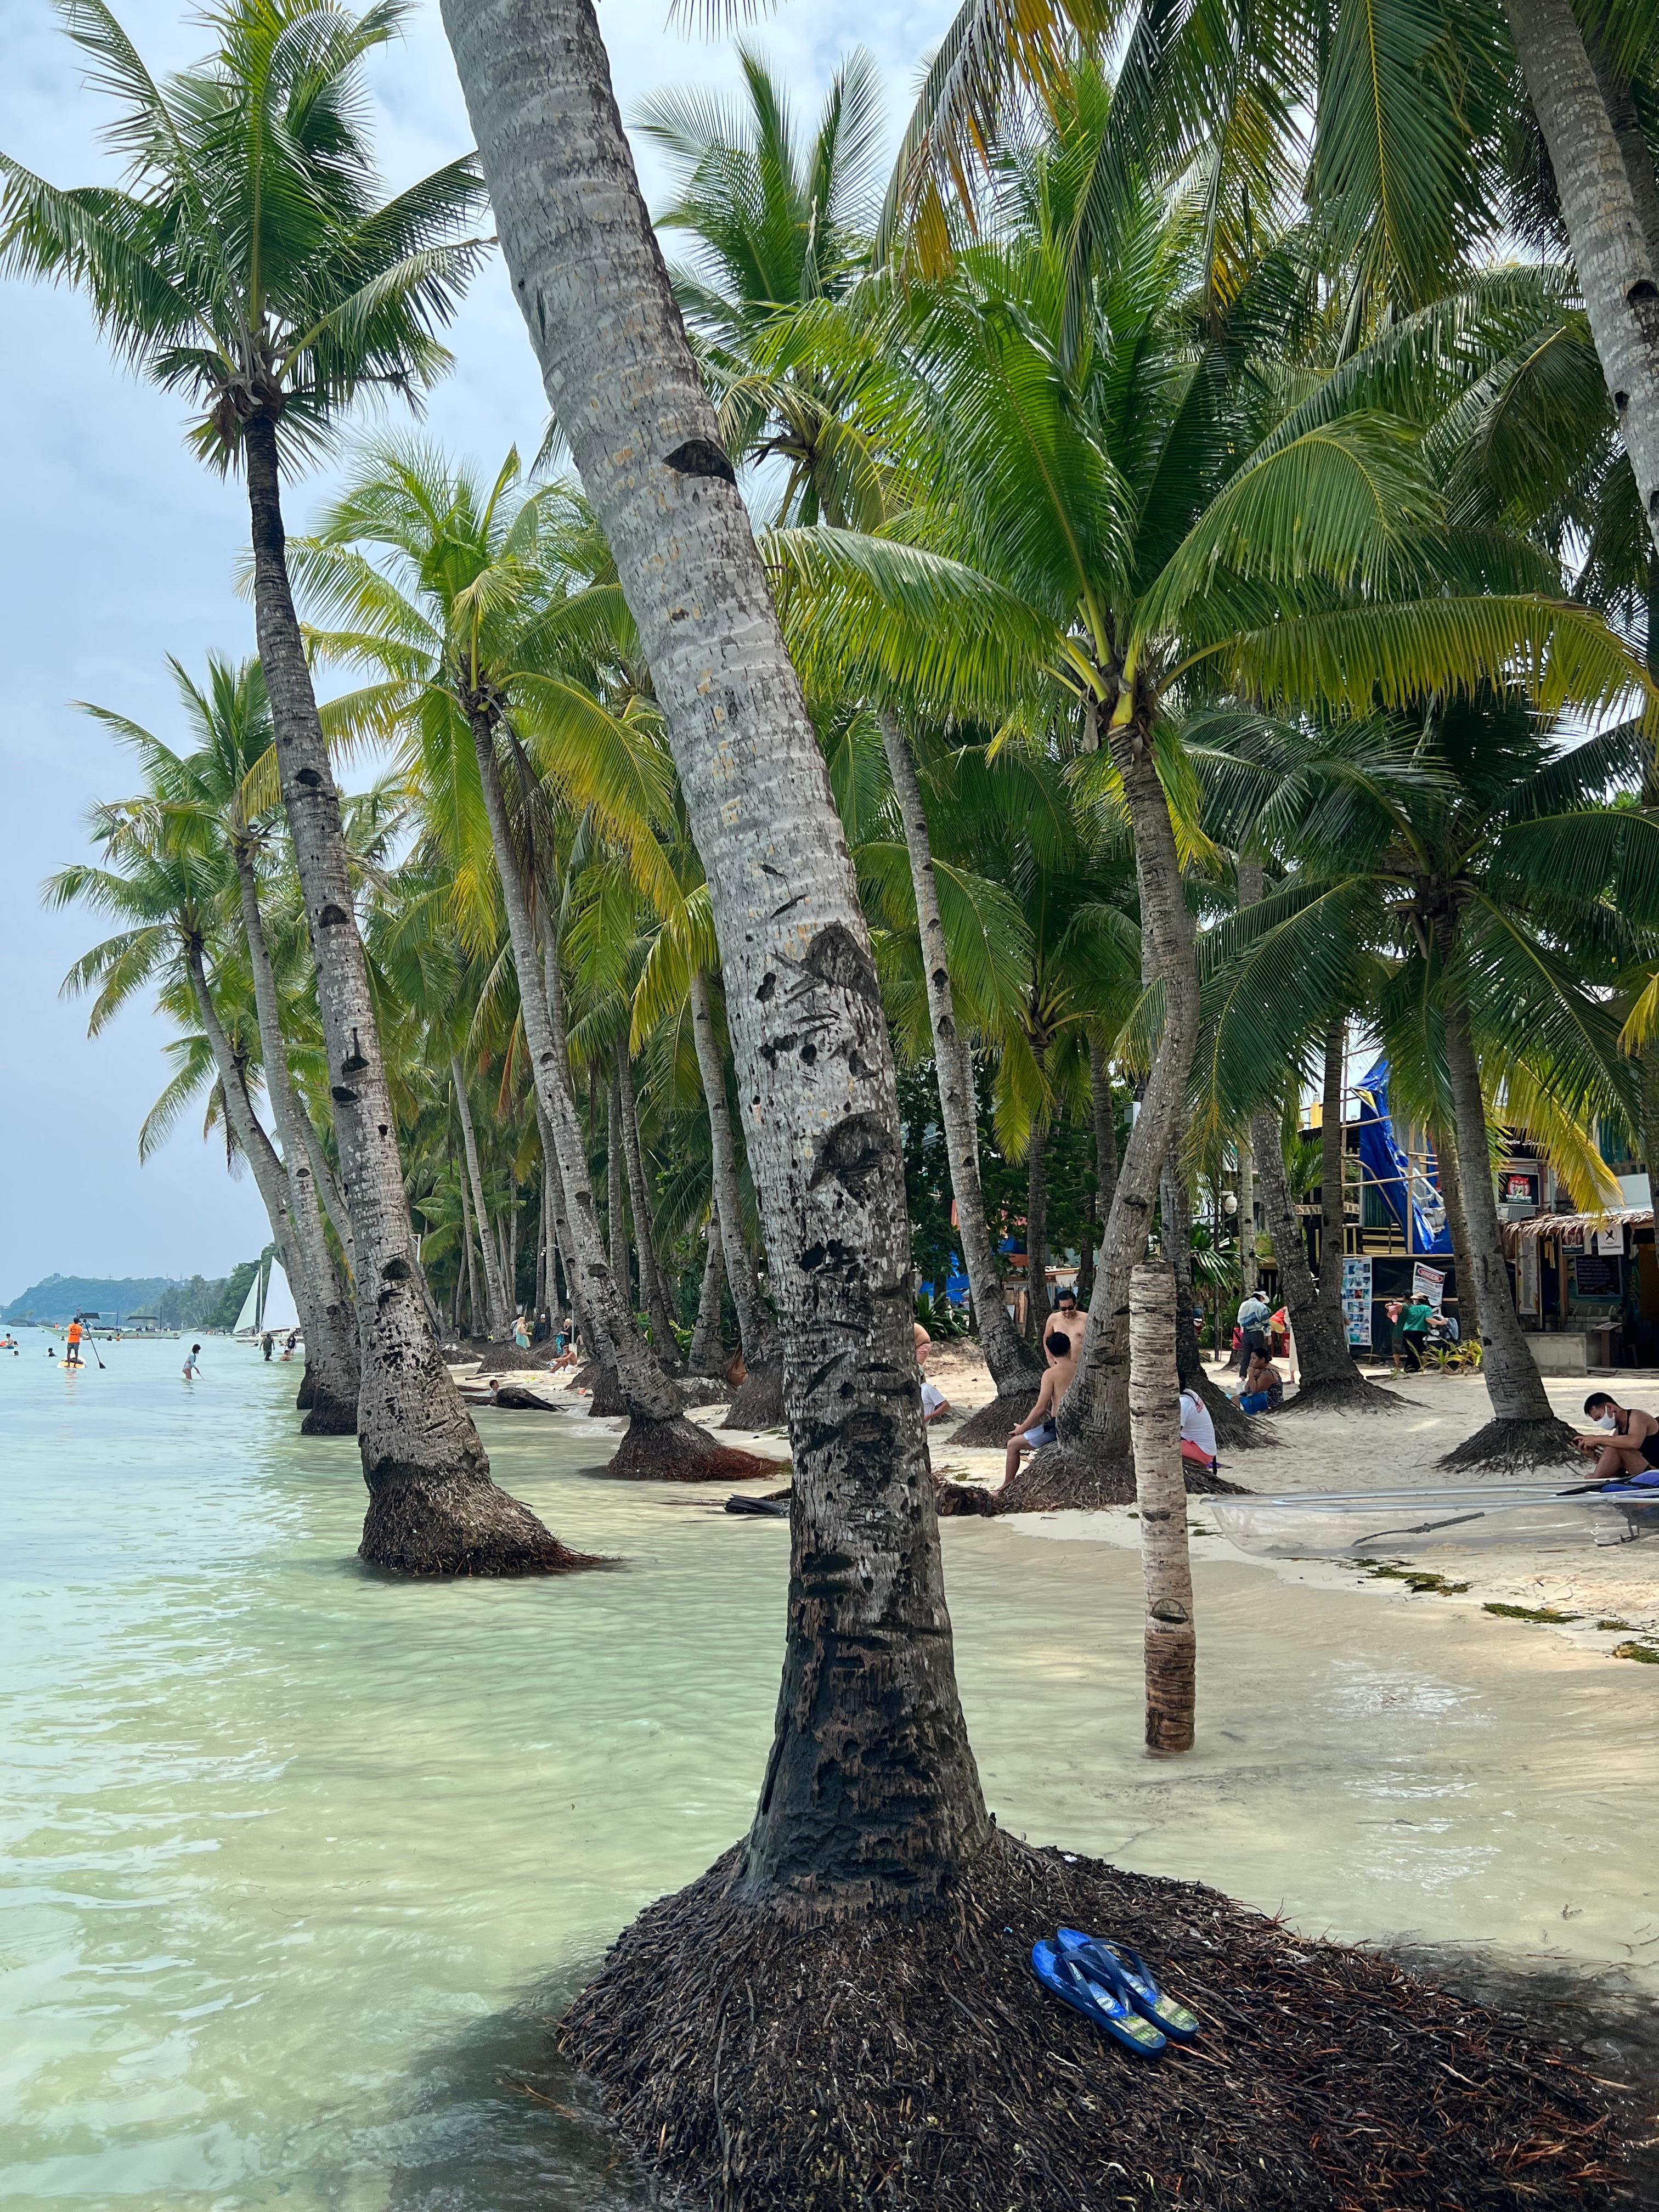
x,y
1197,1428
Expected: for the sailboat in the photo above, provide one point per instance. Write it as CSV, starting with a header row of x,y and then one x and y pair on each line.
x,y
279,1315
247,1322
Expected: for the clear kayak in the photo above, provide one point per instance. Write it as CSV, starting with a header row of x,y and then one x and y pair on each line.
x,y
1373,1523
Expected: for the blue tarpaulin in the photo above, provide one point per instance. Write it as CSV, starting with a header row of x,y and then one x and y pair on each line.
x,y
1389,1170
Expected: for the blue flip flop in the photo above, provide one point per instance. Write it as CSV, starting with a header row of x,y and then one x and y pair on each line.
x,y
1073,1986
1126,1976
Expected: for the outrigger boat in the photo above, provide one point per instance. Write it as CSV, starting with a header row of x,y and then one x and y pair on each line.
x,y
1376,1523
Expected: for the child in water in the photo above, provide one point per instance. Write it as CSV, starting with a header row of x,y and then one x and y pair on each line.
x,y
193,1365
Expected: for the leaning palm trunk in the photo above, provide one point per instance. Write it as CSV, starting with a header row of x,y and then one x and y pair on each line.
x,y
1091,1465
660,1442
1523,1430
494,1291
1617,276
1234,1431
707,1354
616,1217
759,1402
331,1355
252,1141
1171,1641
1036,1232
1451,1189
432,1508
1333,1197
1328,1375
1013,1368
871,1793
652,1296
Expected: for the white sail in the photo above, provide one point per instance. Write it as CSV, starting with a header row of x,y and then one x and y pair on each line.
x,y
281,1314
247,1322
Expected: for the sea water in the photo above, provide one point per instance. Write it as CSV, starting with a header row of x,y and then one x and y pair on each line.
x,y
297,1864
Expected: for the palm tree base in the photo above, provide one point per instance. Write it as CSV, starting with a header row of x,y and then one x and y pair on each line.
x,y
994,1423
1349,1394
302,1396
1237,1431
765,2055
1510,1447
758,1403
432,1524
329,1415
680,1451
1065,1478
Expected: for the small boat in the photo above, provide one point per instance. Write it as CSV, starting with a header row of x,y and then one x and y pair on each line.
x,y
1375,1523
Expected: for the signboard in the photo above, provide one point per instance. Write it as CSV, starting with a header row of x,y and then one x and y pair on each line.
x,y
1357,1297
1521,1189
1526,1284
1608,1243
1428,1285
1594,1278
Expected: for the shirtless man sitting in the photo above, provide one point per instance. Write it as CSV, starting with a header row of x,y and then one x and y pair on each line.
x,y
1038,1428
1627,1444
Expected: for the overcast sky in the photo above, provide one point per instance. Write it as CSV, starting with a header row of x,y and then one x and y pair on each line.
x,y
117,550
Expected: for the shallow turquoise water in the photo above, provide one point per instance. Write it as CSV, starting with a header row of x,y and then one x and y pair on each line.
x,y
296,1863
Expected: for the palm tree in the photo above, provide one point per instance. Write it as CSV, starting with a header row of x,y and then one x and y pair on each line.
x,y
249,262
1171,1644
871,1794
484,647
1479,863
212,800
1109,544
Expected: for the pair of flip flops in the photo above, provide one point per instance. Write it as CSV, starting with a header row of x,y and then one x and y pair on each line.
x,y
1114,1988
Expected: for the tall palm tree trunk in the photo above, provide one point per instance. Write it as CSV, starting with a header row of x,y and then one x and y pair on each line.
x,y
652,1296
1328,1375
432,1508
1171,1643
331,1357
1451,1189
470,1270
1332,1198
871,1794
1036,1232
708,1355
1093,1465
494,1289
1248,1276
759,1402
1011,1365
660,1442
328,1187
1523,1430
1617,275
616,1217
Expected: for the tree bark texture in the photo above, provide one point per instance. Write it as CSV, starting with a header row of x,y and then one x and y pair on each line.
x,y
328,1189
649,1394
756,1331
1451,1189
616,1217
494,1289
652,1295
432,1508
708,1355
1094,1416
1171,1639
1617,276
331,1354
1249,1272
871,1792
1008,1358
1523,1430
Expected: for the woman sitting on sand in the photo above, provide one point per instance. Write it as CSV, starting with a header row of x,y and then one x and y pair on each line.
x,y
1264,1386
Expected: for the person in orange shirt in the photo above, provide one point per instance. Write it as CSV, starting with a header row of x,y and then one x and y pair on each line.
x,y
72,1356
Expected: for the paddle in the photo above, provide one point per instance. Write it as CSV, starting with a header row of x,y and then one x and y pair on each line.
x,y
87,1337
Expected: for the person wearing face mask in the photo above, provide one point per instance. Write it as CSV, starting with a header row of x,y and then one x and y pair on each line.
x,y
1627,1444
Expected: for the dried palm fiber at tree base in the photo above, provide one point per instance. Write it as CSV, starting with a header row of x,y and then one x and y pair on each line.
x,y
1346,1394
993,1425
510,1359
906,2061
1061,1476
758,1402
680,1451
422,1524
958,1500
1512,1447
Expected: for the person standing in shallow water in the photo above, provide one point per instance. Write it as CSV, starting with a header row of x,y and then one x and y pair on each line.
x,y
192,1364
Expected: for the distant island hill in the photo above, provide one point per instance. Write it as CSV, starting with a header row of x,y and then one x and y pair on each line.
x,y
167,1301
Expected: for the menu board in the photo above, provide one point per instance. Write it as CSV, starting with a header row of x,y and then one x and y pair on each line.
x,y
1594,1278
1357,1297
